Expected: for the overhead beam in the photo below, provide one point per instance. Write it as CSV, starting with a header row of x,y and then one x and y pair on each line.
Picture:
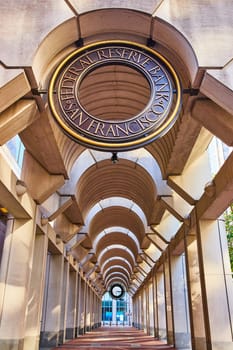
x,y
171,181
17,118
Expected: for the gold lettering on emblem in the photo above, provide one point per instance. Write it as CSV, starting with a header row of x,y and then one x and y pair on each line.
x,y
110,131
120,128
78,114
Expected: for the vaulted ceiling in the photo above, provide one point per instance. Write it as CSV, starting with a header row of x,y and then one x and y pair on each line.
x,y
115,217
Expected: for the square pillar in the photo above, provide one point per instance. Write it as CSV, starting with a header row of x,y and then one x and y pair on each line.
x,y
15,275
219,293
155,306
195,299
180,302
151,308
78,301
81,308
162,324
50,330
169,300
71,306
36,292
64,302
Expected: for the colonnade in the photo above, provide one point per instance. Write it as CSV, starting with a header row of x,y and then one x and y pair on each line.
x,y
45,298
187,298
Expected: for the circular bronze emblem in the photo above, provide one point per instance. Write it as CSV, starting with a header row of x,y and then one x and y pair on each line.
x,y
115,134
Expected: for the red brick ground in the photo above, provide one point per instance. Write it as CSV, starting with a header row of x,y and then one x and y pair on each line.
x,y
115,338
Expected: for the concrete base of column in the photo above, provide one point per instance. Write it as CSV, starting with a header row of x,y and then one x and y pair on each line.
x,y
61,337
200,344
31,343
81,331
156,333
76,332
70,333
151,331
222,345
162,334
170,338
49,339
11,344
183,340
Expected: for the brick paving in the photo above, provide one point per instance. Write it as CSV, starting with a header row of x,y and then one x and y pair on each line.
x,y
115,338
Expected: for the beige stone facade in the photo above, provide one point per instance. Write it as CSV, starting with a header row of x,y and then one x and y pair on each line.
x,y
75,222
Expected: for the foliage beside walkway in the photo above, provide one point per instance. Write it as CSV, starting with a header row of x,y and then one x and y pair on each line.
x,y
229,229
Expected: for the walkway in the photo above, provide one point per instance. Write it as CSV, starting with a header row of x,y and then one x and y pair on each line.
x,y
115,338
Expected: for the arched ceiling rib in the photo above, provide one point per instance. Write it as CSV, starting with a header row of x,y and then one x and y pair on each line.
x,y
116,279
114,261
115,202
112,216
116,267
108,231
136,185
115,238
113,248
117,252
116,270
83,159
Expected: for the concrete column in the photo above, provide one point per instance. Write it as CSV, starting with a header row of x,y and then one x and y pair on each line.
x,y
36,292
87,308
100,311
169,300
92,310
216,279
15,277
151,308
138,311
161,305
140,306
134,312
197,324
97,311
180,303
155,306
98,316
146,309
78,306
82,307
53,300
64,302
3,223
143,314
71,306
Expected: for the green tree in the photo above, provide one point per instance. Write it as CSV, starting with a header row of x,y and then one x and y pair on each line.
x,y
229,229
